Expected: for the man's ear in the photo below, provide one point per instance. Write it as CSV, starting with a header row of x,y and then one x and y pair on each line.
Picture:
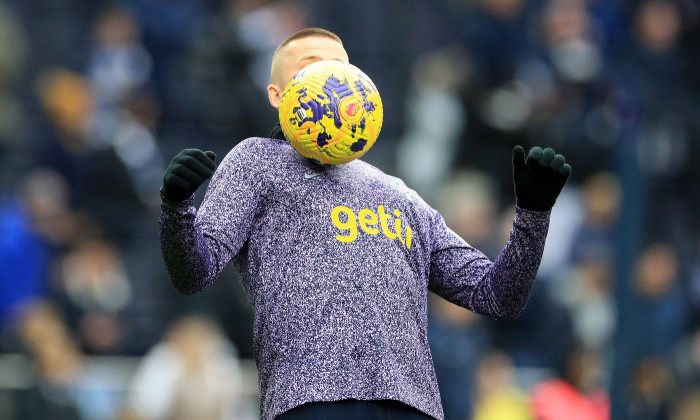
x,y
274,94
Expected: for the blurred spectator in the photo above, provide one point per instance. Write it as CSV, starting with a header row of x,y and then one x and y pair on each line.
x,y
46,196
91,149
435,122
662,311
128,133
497,38
577,394
230,66
651,390
499,397
223,93
193,374
457,340
35,223
262,26
23,257
494,32
586,289
125,112
591,303
655,77
66,98
93,288
575,115
657,25
602,196
570,39
61,373
63,143
118,63
166,27
57,362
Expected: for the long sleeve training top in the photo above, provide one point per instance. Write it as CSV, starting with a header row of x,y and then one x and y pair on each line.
x,y
336,262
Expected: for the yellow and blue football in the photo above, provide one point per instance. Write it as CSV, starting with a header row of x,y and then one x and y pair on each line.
x,y
331,112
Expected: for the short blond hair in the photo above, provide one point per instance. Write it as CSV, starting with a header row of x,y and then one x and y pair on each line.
x,y
304,33
309,32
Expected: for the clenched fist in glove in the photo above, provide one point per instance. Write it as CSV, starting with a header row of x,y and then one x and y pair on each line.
x,y
538,178
186,172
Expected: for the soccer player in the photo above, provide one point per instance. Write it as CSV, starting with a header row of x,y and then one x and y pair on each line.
x,y
337,261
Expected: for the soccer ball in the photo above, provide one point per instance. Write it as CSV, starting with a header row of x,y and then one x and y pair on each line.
x,y
331,112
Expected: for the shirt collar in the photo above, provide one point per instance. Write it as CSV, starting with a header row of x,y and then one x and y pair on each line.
x,y
277,133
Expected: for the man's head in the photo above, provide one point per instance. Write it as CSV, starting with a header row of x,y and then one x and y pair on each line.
x,y
298,51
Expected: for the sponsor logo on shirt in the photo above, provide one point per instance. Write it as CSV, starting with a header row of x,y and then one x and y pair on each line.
x,y
312,175
371,223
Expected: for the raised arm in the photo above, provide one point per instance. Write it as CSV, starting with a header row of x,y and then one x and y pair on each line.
x,y
184,247
500,289
197,244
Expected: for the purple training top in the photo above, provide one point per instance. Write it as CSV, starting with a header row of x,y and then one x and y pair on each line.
x,y
337,262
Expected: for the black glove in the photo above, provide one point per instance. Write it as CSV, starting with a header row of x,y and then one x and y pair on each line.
x,y
186,172
539,178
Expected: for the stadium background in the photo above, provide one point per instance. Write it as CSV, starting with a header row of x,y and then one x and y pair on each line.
x,y
96,97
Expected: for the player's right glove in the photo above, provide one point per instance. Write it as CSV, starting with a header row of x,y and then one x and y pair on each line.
x,y
539,178
186,172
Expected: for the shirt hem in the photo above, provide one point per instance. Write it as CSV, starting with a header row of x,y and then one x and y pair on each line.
x,y
339,397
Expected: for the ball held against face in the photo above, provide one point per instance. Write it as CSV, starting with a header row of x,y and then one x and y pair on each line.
x,y
331,111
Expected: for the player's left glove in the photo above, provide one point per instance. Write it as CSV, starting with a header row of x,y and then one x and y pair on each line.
x,y
539,178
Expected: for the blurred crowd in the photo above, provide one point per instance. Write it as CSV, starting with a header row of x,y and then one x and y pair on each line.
x,y
97,96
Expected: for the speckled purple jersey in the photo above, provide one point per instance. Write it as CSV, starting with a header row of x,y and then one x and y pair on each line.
x,y
337,262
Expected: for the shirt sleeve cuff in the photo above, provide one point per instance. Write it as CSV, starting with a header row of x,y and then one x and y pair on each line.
x,y
532,214
176,205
